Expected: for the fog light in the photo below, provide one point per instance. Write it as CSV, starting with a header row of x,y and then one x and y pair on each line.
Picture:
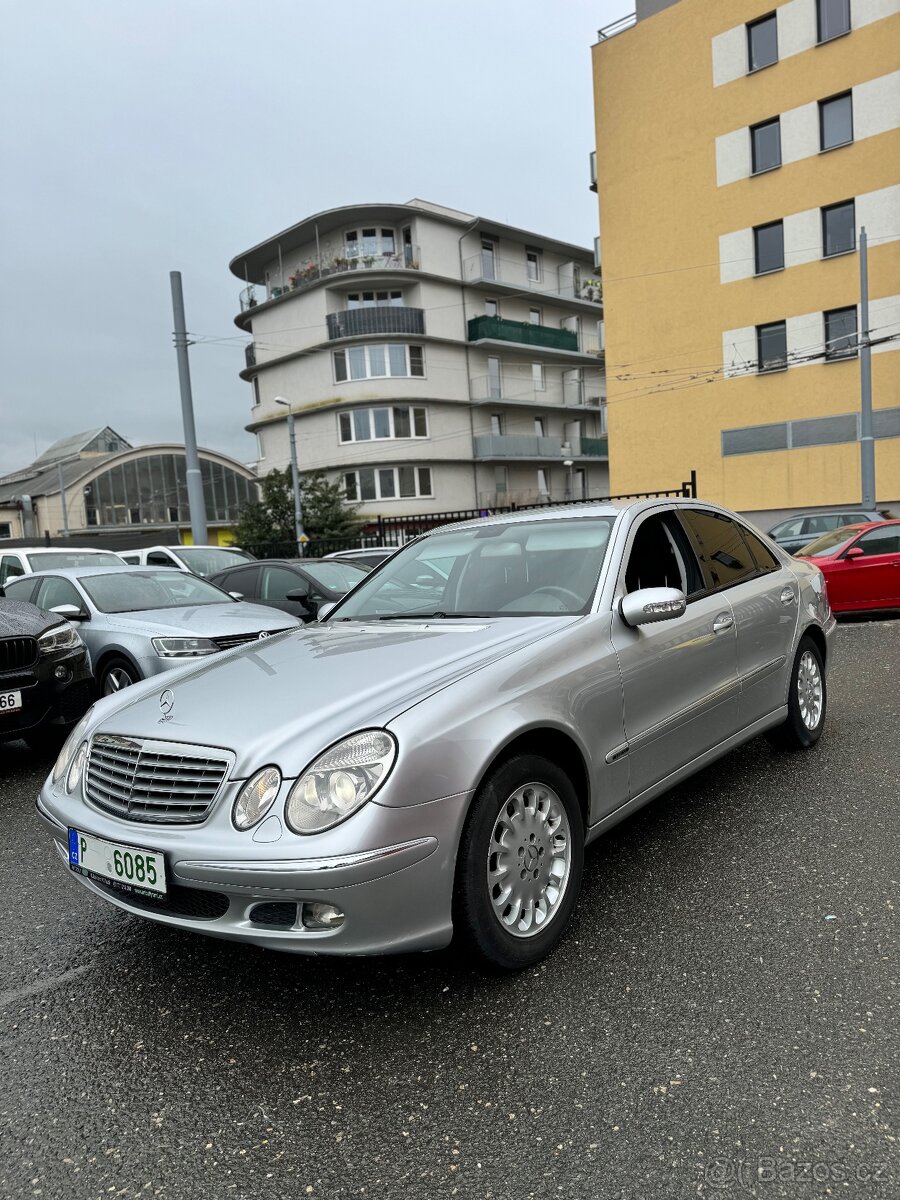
x,y
322,916
62,673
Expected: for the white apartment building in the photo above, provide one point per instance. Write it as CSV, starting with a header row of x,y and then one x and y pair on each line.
x,y
434,361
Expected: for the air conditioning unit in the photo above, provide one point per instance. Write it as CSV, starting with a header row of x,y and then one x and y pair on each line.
x,y
593,401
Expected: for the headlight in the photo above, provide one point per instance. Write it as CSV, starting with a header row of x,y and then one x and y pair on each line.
x,y
74,776
60,637
182,647
68,751
256,798
340,781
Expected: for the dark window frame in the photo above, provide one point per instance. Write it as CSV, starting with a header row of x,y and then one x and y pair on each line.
x,y
707,570
832,208
777,364
820,40
848,94
766,20
757,230
832,355
755,169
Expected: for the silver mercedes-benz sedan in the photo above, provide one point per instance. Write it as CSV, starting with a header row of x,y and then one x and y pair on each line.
x,y
138,622
432,758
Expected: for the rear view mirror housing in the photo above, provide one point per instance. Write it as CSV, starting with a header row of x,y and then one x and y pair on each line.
x,y
855,552
649,605
71,612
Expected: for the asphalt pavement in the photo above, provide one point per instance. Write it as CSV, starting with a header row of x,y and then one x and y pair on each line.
x,y
721,1020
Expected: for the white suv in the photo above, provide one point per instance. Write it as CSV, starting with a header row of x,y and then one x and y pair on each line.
x,y
199,560
27,560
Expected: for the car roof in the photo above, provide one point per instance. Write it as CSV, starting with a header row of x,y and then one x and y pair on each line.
x,y
125,568
65,550
584,508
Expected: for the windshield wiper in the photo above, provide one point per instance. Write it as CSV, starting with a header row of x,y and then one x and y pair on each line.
x,y
433,616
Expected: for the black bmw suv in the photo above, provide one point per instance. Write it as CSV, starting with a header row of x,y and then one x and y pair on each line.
x,y
46,684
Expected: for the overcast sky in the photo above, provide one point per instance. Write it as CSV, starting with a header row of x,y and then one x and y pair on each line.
x,y
143,136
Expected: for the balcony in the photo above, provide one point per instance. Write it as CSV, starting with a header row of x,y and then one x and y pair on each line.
x,y
360,322
564,282
545,337
566,390
492,446
299,277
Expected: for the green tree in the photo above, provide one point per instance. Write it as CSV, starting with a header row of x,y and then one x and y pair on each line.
x,y
325,511
271,519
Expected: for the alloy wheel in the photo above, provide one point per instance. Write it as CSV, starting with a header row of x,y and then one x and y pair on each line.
x,y
809,690
115,680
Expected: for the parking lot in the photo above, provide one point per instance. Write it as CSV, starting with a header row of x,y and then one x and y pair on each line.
x,y
720,1020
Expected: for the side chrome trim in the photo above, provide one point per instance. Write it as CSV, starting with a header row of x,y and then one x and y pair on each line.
x,y
685,714
617,752
766,669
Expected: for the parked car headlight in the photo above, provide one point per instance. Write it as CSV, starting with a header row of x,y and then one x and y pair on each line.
x,y
60,637
73,778
256,798
340,781
68,751
183,647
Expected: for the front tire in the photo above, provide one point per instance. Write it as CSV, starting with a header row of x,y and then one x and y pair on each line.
x,y
520,863
807,701
117,673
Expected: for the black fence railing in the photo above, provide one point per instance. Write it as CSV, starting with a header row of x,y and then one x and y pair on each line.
x,y
396,531
358,322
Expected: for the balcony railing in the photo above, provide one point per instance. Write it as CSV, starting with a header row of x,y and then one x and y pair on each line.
x,y
303,275
566,390
564,281
358,322
498,329
250,354
493,445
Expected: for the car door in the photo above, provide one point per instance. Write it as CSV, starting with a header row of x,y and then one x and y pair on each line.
x,y
764,596
274,584
871,580
244,581
679,677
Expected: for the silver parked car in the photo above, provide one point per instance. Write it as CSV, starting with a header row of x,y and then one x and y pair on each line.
x,y
433,757
138,622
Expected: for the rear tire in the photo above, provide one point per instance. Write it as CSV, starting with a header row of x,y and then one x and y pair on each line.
x,y
807,701
520,862
117,673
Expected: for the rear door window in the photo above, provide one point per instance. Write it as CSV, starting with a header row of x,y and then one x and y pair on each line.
x,y
763,557
725,557
21,589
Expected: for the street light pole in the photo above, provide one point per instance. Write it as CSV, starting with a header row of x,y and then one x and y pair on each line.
x,y
196,500
866,432
295,476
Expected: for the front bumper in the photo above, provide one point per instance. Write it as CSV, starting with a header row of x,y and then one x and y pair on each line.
x,y
392,879
47,700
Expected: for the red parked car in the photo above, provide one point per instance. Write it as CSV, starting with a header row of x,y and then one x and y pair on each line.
x,y
861,565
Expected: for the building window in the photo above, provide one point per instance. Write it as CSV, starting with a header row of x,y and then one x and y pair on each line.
x,y
535,316
387,483
90,516
833,19
539,427
494,379
501,480
537,377
374,424
762,42
768,245
256,399
491,308
260,452
543,481
394,360
836,121
488,258
771,346
533,266
765,141
5,530
496,424
375,300
369,243
839,228
134,516
840,333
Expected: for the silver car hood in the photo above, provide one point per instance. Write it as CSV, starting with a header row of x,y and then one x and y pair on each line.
x,y
286,699
201,620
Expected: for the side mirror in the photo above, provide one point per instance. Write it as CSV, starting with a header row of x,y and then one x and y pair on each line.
x,y
298,595
855,552
71,612
324,610
236,595
649,605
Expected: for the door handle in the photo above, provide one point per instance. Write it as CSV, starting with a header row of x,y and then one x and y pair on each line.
x,y
722,622
787,596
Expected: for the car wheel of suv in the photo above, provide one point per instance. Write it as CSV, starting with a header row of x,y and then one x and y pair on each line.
x,y
117,673
807,701
520,861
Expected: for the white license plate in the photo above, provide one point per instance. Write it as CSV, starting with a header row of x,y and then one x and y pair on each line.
x,y
10,702
129,868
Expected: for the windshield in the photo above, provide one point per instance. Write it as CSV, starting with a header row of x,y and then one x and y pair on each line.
x,y
125,592
830,543
502,570
207,560
73,558
336,576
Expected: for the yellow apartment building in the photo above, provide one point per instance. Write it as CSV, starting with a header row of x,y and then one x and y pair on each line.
x,y
740,148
